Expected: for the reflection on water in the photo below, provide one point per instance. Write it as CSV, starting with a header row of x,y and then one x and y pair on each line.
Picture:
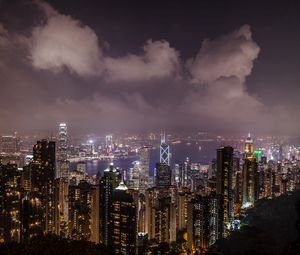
x,y
202,152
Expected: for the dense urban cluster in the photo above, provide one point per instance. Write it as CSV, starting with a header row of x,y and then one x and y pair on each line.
x,y
183,208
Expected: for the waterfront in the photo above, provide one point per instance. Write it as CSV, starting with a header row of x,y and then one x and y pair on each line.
x,y
201,152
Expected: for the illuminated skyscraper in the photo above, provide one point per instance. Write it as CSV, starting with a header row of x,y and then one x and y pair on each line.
x,y
176,175
80,208
257,154
108,183
109,141
95,214
62,170
144,169
164,151
249,148
42,182
160,214
224,188
123,222
198,224
133,181
183,199
62,215
10,143
10,203
202,222
249,184
184,173
163,175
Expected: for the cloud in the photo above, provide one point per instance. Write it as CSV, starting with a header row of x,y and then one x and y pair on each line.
x,y
153,89
229,55
159,60
64,42
219,70
3,36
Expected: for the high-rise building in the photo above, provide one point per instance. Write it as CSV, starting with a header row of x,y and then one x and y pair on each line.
x,y
109,141
198,229
257,154
123,217
31,218
249,184
10,203
160,215
80,208
62,215
42,183
133,181
202,224
108,183
164,151
163,175
249,148
176,175
10,144
144,169
185,174
62,170
95,214
224,188
183,199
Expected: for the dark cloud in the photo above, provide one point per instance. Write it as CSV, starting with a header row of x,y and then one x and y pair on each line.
x,y
61,70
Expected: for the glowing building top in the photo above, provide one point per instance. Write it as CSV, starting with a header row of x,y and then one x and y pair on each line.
x,y
62,170
164,151
249,148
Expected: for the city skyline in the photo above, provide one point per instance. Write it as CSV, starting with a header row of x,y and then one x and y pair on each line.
x,y
103,70
149,127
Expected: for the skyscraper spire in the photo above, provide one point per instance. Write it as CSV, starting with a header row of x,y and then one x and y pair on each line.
x,y
164,150
62,170
249,149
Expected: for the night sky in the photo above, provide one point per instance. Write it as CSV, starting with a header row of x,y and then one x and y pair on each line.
x,y
226,66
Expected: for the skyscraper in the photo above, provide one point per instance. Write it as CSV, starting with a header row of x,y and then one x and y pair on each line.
x,y
249,184
249,148
134,173
198,224
123,217
144,169
185,169
80,208
10,203
164,151
10,143
224,189
43,186
163,175
62,170
161,214
183,199
108,183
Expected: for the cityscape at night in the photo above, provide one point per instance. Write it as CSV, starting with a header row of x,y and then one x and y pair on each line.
x,y
149,127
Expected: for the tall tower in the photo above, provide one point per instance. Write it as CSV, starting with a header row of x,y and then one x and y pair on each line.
x,y
224,188
144,169
108,183
249,148
43,185
249,176
123,222
164,151
163,175
62,161
10,201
